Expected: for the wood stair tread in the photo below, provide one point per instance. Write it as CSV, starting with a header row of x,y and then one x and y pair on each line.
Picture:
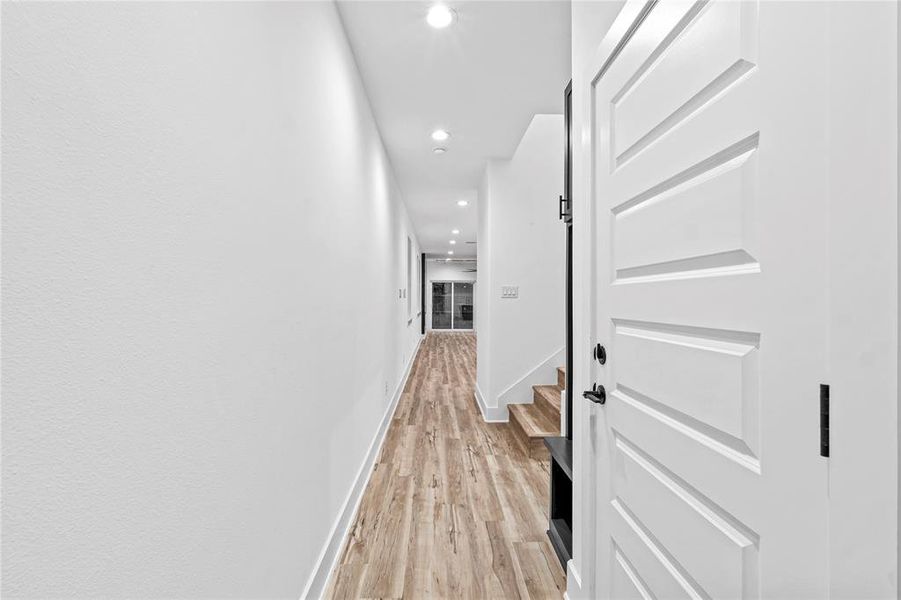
x,y
532,422
550,393
561,377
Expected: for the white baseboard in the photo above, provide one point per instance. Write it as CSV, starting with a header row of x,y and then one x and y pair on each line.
x,y
543,373
490,414
573,583
328,557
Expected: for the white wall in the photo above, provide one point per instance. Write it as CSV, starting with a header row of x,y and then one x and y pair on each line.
x,y
522,242
202,249
483,289
450,271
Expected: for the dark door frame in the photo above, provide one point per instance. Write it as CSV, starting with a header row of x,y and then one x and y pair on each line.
x,y
422,293
561,503
568,219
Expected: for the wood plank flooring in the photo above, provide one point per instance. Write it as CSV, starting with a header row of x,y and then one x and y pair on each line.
x,y
454,509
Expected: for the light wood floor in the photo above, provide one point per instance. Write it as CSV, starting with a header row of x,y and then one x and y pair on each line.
x,y
454,509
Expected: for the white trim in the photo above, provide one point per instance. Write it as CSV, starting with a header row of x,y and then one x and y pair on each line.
x,y
320,577
563,409
585,330
863,300
490,414
573,582
539,374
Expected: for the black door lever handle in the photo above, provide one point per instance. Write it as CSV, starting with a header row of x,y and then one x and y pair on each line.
x,y
596,394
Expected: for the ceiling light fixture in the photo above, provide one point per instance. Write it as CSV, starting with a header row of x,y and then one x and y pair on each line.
x,y
462,203
439,135
446,260
440,16
450,251
455,231
453,241
439,150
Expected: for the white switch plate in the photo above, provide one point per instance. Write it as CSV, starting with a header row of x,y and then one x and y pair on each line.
x,y
510,291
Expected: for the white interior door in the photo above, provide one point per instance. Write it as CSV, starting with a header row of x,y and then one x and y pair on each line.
x,y
708,174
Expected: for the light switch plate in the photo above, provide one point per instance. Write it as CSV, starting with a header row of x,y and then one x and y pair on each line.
x,y
510,291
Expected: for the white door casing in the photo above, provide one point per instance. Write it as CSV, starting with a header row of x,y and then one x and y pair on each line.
x,y
708,174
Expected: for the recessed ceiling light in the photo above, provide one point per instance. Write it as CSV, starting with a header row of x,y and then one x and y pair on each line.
x,y
439,135
450,251
455,232
446,260
439,150
462,203
453,241
440,16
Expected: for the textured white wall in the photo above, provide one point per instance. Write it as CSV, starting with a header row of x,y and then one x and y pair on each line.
x,y
202,250
521,241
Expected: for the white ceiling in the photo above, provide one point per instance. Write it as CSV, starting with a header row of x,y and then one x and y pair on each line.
x,y
482,78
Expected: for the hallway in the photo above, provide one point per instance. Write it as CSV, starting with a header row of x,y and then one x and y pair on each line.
x,y
521,299
453,508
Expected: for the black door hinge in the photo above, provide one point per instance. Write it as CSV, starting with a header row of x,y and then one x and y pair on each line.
x,y
824,419
565,210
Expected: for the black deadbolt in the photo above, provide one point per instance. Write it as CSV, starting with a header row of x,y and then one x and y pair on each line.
x,y
600,354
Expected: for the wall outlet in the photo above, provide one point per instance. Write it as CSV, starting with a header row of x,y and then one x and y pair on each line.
x,y
510,291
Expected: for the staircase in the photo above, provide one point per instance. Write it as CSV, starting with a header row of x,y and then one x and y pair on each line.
x,y
532,423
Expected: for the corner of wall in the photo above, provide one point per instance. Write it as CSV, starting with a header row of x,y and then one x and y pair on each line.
x,y
545,372
490,414
520,345
483,285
